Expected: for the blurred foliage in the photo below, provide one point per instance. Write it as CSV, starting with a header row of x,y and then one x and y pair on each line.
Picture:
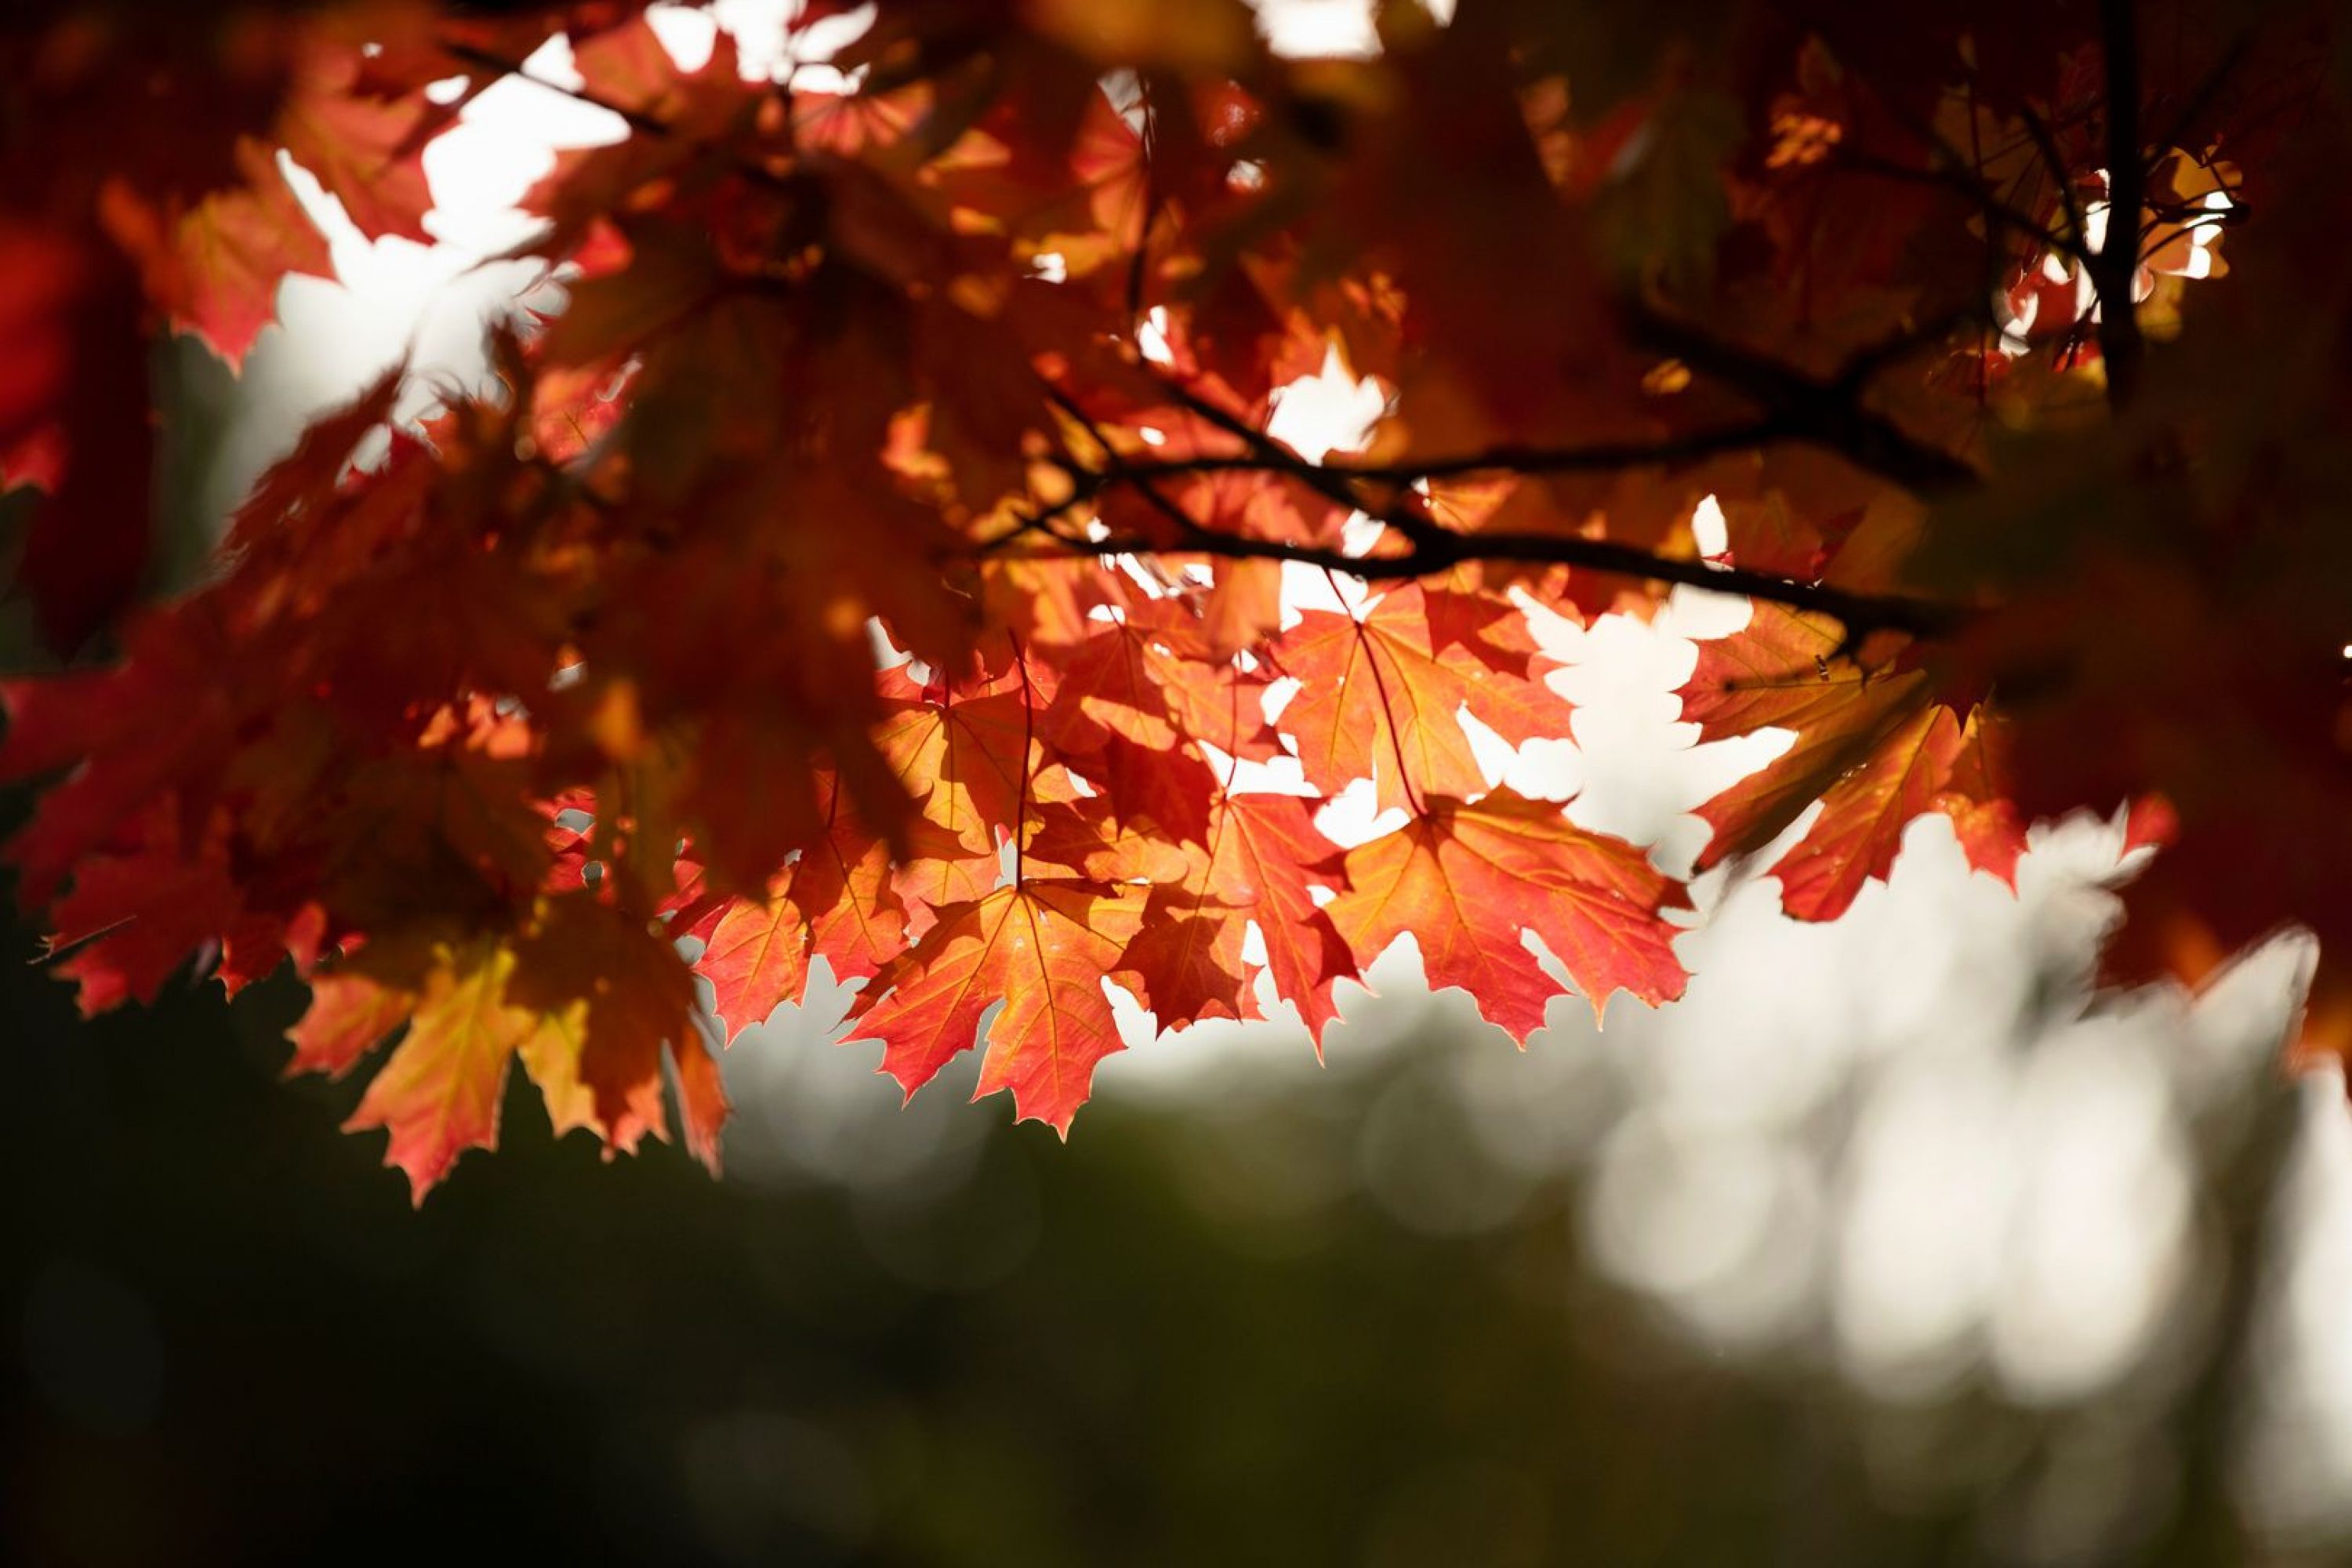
x,y
199,406
230,1338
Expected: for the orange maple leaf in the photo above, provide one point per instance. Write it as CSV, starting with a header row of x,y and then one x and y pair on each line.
x,y
1041,948
1387,686
1466,879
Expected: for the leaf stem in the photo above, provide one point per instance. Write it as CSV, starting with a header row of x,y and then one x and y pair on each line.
x,y
2045,143
1388,712
1028,754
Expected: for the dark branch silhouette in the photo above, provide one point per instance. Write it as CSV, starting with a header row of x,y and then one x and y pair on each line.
x,y
2117,264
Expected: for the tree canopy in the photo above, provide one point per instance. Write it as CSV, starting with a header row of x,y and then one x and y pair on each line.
x,y
882,556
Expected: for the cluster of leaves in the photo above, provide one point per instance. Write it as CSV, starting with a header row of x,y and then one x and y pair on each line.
x,y
971,357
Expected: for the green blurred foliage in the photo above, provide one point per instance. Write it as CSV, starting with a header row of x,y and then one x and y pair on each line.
x,y
229,1338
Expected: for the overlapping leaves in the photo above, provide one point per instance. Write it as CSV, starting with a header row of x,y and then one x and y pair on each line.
x,y
759,613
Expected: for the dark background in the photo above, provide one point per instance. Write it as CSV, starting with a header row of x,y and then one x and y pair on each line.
x,y
229,1338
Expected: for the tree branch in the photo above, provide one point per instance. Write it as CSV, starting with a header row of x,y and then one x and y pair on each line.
x,y
484,59
2045,142
1442,550
1803,408
1796,407
1956,178
1335,484
2117,264
1604,457
638,121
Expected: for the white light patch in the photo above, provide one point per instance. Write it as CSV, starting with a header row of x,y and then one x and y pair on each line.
x,y
2097,1237
1319,30
1152,337
1353,815
1709,528
688,35
1921,1250
1328,412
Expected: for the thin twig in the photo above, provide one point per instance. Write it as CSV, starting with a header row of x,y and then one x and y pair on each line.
x,y
1801,409
2045,142
1955,177
1857,612
1798,408
1028,760
636,120
472,55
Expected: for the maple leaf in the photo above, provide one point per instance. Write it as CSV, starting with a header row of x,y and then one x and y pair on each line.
x,y
756,959
1170,789
1977,797
1786,670
1185,963
963,748
550,1056
438,1094
627,69
1790,512
1863,814
1875,750
1098,217
1241,607
135,917
1466,879
1380,693
1151,678
839,898
886,365
1265,859
351,1014
471,1011
217,267
843,884
365,148
640,996
80,725
1084,839
1042,949
703,1103
1261,862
